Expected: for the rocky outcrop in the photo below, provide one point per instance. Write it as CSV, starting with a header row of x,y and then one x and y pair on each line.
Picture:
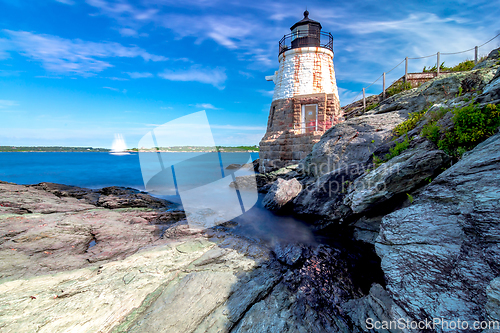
x,y
108,197
345,152
43,234
492,307
281,193
375,308
440,254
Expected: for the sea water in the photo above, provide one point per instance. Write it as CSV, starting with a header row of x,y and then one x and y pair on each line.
x,y
97,170
93,170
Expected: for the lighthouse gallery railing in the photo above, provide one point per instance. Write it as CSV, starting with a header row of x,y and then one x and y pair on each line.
x,y
304,39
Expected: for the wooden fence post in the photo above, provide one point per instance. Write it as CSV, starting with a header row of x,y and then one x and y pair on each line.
x,y
475,55
406,69
438,64
364,100
383,87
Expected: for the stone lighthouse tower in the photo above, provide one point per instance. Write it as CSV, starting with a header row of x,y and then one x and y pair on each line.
x,y
305,101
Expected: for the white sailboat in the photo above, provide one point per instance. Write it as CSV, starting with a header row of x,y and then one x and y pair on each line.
x,y
119,146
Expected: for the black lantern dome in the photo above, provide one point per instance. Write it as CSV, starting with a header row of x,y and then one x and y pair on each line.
x,y
306,21
306,33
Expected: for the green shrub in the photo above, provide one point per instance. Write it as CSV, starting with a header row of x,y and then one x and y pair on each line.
x,y
436,115
472,125
397,149
432,131
393,152
465,65
409,124
397,88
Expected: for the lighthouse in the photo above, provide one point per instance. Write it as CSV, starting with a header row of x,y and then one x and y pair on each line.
x,y
305,101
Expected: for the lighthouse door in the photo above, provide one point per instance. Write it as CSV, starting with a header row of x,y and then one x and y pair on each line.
x,y
309,118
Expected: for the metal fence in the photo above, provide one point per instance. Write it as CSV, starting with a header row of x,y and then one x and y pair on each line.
x,y
405,60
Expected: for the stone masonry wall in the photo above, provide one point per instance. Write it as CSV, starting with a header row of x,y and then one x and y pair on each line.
x,y
284,143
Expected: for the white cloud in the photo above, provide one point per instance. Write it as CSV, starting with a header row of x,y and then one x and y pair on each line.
x,y
111,88
127,32
66,2
266,92
73,56
250,35
139,75
7,72
347,96
116,89
362,32
118,78
205,106
215,77
246,74
4,103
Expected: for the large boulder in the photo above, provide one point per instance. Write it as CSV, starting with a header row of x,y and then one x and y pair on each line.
x,y
399,176
281,193
263,181
440,254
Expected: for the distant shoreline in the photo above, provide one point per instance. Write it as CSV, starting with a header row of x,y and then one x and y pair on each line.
x,y
175,149
141,151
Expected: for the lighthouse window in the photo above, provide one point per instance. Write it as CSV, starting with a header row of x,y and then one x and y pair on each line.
x,y
300,31
309,121
272,116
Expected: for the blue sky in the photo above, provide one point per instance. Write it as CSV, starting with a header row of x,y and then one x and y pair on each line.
x,y
75,72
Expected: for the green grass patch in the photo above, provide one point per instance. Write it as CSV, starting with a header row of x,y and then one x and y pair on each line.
x,y
372,106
